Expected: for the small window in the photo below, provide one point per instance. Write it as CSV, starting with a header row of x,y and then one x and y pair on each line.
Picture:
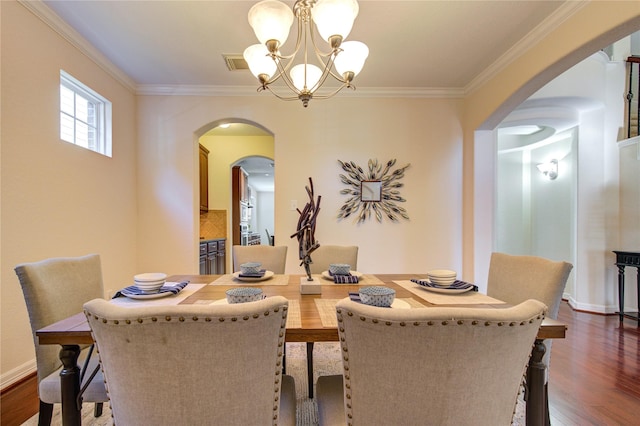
x,y
85,116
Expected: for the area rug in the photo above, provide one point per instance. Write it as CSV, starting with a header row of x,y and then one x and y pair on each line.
x,y
326,361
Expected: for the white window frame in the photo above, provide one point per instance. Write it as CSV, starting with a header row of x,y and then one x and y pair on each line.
x,y
101,142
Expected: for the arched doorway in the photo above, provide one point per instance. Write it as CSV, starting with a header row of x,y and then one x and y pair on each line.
x,y
237,143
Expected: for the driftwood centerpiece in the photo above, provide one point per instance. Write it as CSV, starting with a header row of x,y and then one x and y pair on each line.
x,y
305,231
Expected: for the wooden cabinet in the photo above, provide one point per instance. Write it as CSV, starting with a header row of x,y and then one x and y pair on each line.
x,y
213,257
204,179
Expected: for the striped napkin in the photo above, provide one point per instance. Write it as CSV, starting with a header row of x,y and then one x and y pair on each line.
x,y
174,288
345,279
258,274
457,285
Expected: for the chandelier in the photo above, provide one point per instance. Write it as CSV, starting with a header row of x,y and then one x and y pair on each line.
x,y
271,21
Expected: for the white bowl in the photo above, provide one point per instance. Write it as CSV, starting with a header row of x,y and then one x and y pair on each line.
x,y
442,273
243,294
250,268
150,276
150,282
340,269
377,296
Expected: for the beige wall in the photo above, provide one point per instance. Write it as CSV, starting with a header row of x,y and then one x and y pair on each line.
x,y
308,143
57,199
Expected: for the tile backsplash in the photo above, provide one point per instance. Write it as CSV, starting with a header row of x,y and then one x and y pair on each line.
x,y
213,224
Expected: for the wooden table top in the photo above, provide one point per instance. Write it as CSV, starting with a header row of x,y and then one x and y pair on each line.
x,y
75,329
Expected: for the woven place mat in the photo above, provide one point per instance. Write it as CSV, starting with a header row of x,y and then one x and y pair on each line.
x,y
168,300
294,319
467,298
327,309
363,280
228,279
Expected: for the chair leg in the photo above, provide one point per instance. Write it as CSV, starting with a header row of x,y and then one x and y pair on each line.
x,y
45,414
547,419
97,409
310,368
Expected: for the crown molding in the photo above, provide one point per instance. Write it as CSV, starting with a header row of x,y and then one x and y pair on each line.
x,y
44,13
368,92
564,12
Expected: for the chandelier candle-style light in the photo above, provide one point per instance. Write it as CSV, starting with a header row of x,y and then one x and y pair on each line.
x,y
271,21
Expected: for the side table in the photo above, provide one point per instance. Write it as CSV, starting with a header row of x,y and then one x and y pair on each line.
x,y
627,258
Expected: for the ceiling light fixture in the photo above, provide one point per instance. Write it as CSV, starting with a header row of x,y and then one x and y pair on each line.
x,y
271,21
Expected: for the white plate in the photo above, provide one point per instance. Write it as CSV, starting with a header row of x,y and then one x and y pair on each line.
x,y
146,296
445,290
327,276
266,276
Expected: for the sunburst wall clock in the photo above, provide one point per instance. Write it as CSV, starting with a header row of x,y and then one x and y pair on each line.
x,y
373,192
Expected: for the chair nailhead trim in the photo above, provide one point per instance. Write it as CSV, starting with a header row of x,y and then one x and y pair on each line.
x,y
474,322
500,324
460,322
402,324
195,318
429,322
181,319
154,319
116,322
207,319
445,322
416,323
350,314
139,320
221,319
168,318
246,317
234,319
375,321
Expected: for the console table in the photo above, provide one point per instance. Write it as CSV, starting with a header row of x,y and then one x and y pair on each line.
x,y
627,258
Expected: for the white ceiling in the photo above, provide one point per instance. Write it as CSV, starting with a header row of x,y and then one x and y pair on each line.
x,y
414,45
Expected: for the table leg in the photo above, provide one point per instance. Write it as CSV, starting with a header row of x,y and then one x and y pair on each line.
x,y
310,367
537,404
621,291
70,385
638,294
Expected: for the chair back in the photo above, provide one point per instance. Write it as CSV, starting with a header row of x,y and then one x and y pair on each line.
x,y
273,258
191,364
440,366
55,289
325,255
514,279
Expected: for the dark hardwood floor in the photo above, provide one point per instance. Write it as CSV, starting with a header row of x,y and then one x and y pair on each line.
x,y
594,375
595,371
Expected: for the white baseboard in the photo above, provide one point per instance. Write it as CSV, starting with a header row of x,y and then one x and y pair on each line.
x,y
586,307
17,374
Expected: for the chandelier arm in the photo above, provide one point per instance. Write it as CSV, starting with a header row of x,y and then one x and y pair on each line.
x,y
327,96
284,98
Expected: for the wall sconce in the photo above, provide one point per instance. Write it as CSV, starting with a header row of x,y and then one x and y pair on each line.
x,y
549,169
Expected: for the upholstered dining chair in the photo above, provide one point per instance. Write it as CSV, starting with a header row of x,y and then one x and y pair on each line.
x,y
514,279
325,255
55,289
439,366
322,257
273,258
195,364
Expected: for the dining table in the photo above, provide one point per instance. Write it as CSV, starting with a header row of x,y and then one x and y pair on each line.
x,y
311,318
